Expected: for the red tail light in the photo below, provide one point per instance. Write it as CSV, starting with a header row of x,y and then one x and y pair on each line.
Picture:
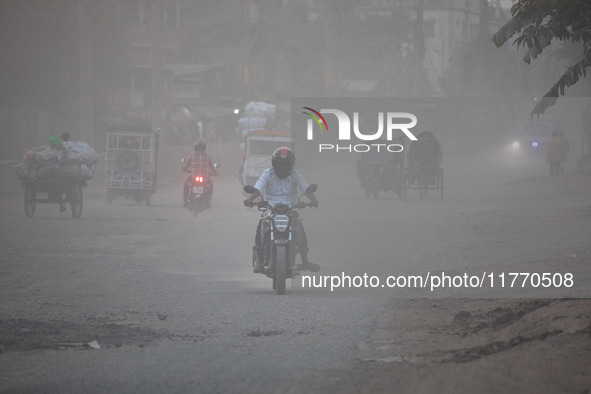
x,y
199,179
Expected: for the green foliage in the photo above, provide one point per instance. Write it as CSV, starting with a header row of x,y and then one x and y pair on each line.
x,y
537,23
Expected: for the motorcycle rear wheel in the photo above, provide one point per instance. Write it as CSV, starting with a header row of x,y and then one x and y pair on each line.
x,y
196,207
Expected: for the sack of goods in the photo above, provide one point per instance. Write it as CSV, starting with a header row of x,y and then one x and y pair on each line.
x,y
70,160
252,123
260,109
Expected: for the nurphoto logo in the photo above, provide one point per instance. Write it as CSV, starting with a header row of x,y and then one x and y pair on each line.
x,y
398,124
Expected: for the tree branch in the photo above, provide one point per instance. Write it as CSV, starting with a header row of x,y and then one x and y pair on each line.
x,y
569,78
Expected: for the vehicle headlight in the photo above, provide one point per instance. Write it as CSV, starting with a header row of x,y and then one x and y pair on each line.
x,y
535,144
281,222
515,144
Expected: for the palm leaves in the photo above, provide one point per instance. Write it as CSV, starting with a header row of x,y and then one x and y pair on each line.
x,y
537,23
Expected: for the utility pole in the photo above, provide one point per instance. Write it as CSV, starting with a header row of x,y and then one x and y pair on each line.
x,y
484,46
156,29
86,121
419,52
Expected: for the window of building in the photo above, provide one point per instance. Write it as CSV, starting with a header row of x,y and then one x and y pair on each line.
x,y
428,29
172,15
129,11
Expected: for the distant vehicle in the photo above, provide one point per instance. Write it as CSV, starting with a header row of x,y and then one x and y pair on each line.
x,y
535,135
131,162
424,170
259,145
199,192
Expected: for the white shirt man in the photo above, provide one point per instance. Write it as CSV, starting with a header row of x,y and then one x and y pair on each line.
x,y
280,190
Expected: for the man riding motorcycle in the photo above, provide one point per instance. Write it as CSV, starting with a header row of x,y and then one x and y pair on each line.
x,y
199,163
279,185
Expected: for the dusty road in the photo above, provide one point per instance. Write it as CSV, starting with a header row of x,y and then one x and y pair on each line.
x,y
174,306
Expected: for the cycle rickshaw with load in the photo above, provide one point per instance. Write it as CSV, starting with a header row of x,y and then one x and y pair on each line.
x,y
424,170
56,174
53,191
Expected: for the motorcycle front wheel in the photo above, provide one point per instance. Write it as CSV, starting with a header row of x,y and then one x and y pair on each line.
x,y
280,274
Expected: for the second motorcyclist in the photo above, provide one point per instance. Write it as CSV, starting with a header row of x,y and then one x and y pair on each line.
x,y
279,184
199,163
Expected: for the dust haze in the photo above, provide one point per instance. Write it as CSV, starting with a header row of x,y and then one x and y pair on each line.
x,y
172,301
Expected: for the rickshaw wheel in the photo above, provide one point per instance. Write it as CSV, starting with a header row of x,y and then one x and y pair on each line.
x,y
76,201
30,201
440,179
110,196
404,184
422,186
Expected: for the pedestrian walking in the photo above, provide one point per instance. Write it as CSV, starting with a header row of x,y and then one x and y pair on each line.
x,y
565,150
555,154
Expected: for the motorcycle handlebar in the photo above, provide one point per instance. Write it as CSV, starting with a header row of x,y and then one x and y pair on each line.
x,y
265,204
260,204
305,204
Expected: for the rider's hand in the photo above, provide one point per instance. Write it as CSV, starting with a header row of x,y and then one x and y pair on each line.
x,y
248,202
313,200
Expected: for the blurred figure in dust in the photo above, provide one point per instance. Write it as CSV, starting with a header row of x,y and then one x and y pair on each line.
x,y
555,154
373,158
566,149
65,138
424,154
58,143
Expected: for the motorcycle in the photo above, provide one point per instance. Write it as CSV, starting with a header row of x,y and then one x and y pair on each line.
x,y
279,238
199,188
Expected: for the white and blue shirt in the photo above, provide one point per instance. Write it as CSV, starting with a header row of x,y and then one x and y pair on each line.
x,y
280,191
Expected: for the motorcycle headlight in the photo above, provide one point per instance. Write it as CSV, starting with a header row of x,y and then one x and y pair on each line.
x,y
281,222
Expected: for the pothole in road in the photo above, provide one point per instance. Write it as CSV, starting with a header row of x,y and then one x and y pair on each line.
x,y
18,335
264,333
500,316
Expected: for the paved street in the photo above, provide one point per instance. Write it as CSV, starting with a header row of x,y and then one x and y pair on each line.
x,y
172,300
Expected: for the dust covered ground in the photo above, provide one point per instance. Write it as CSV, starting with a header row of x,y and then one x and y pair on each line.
x,y
481,345
174,308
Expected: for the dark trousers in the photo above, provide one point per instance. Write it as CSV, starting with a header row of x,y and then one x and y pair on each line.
x,y
554,168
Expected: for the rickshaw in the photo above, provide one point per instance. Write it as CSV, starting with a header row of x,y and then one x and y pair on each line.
x,y
56,174
381,172
53,191
424,170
